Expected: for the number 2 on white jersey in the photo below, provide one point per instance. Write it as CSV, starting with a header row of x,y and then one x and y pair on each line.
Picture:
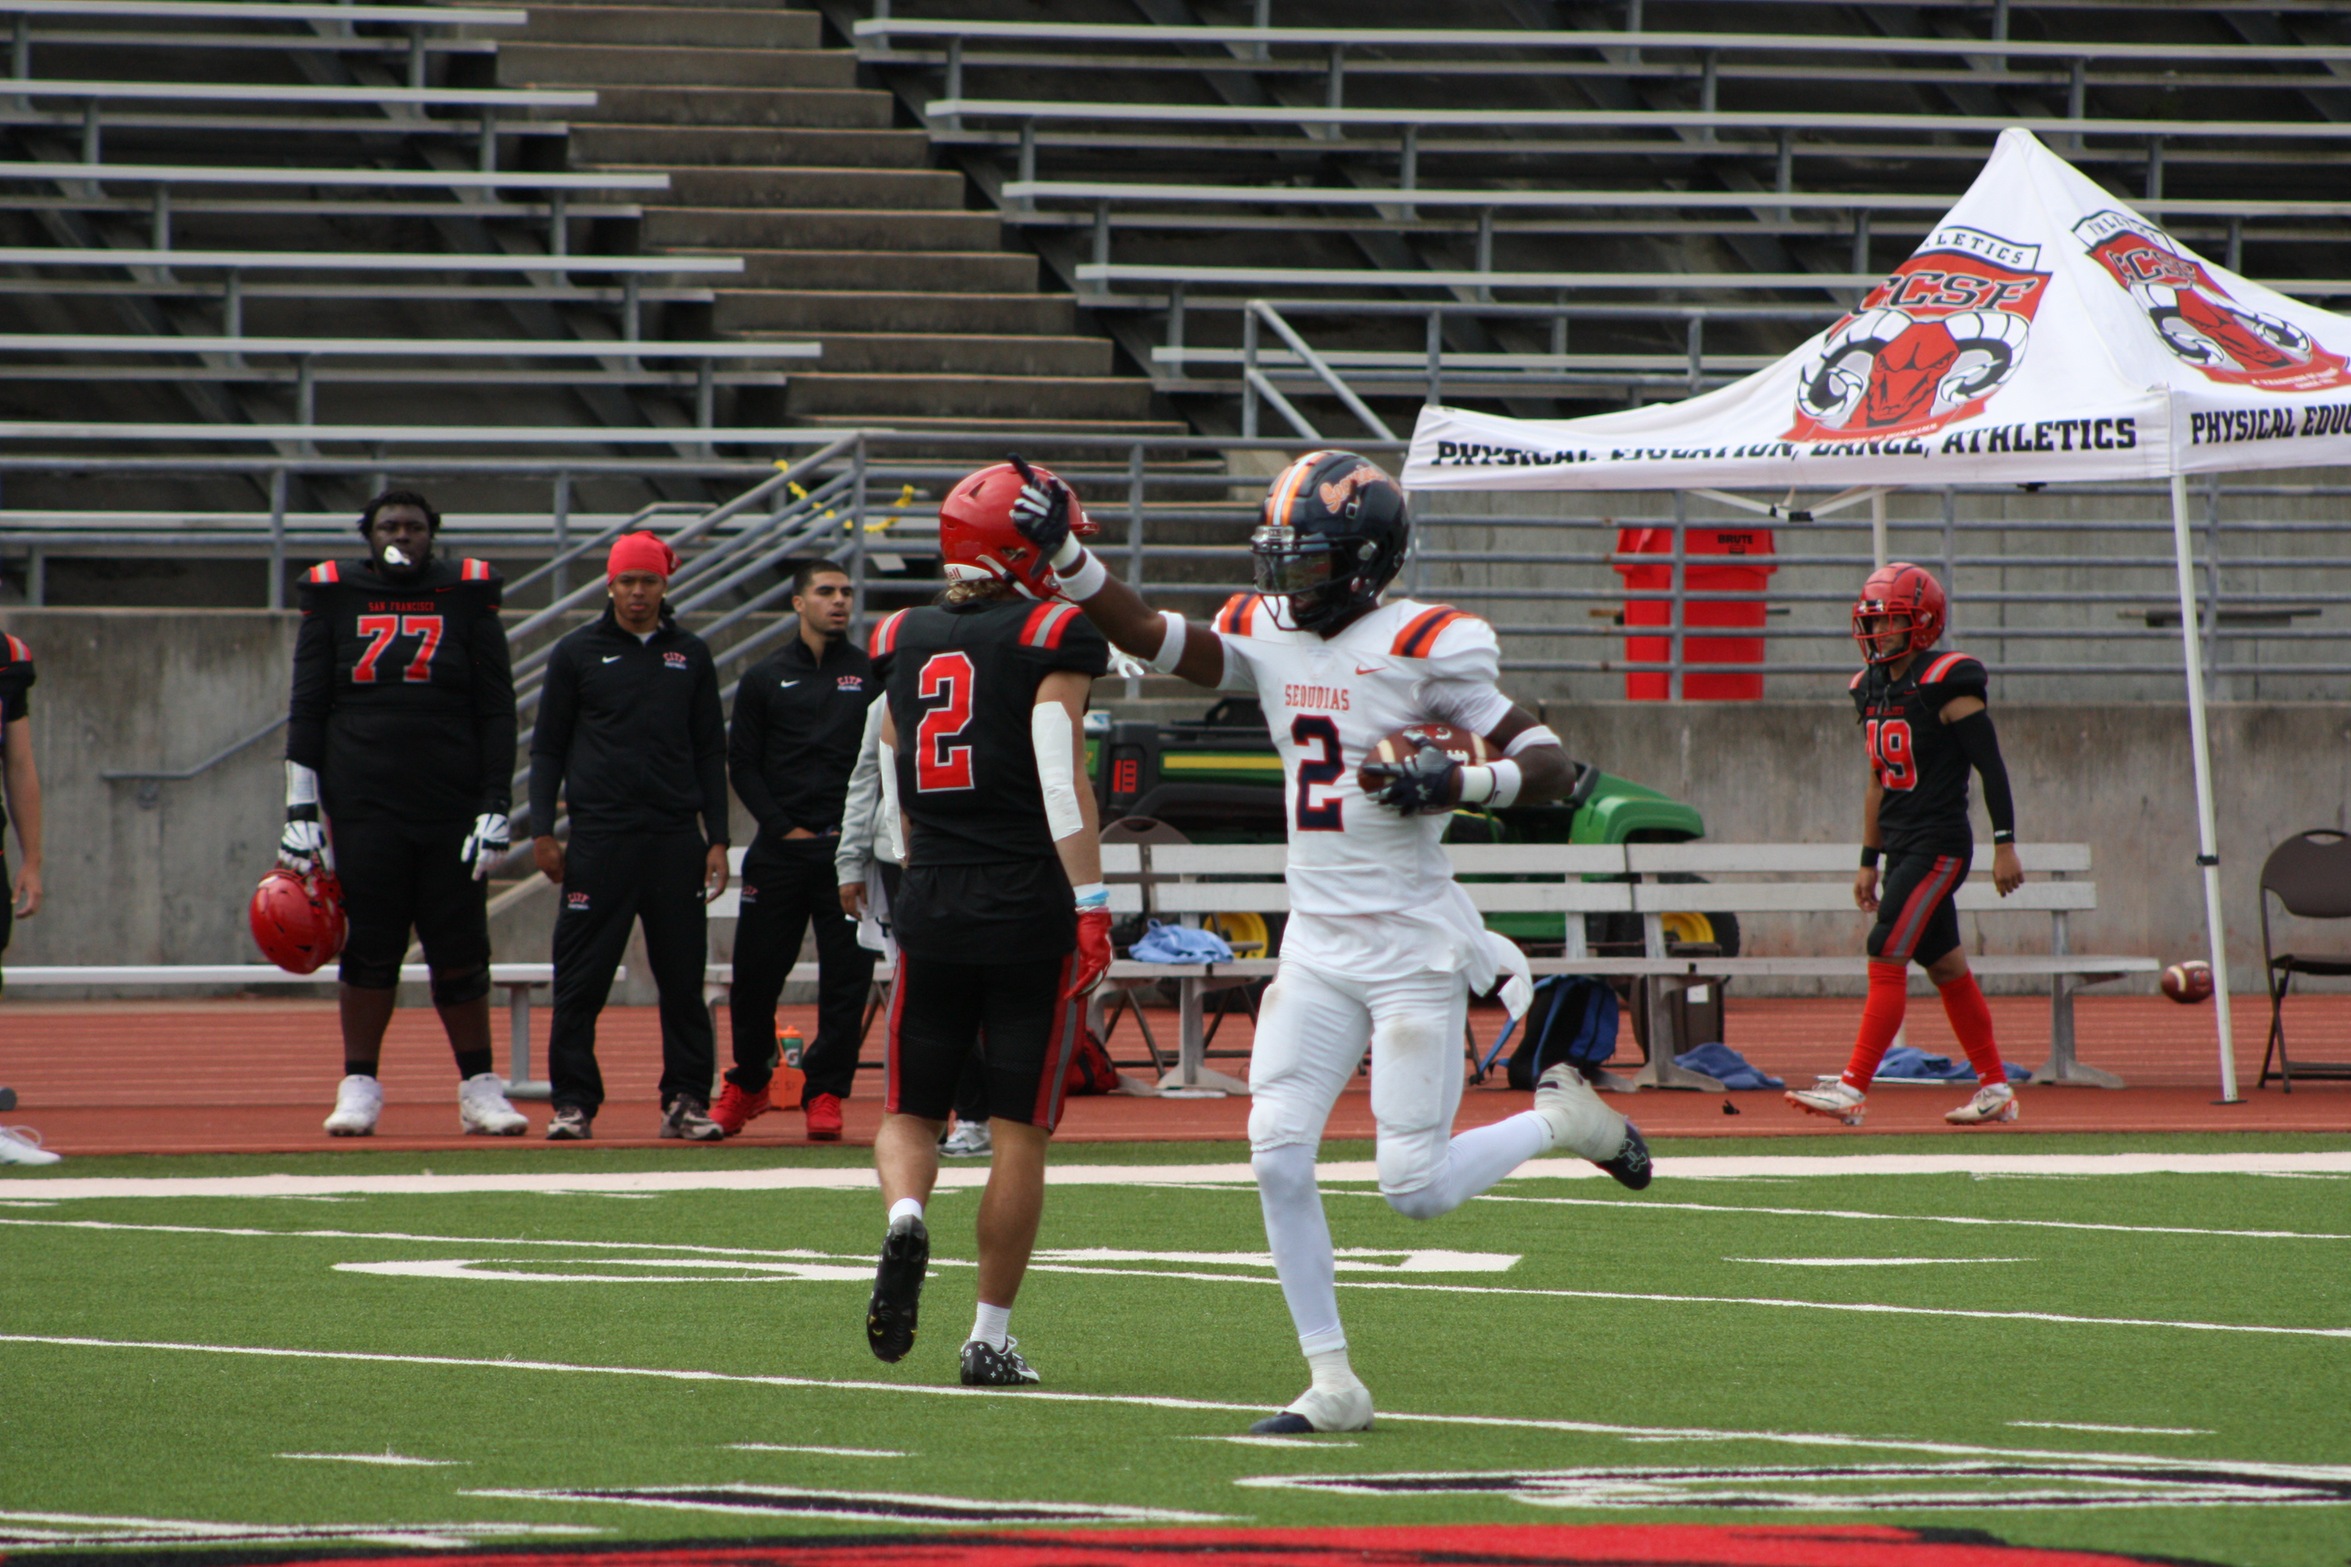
x,y
1315,772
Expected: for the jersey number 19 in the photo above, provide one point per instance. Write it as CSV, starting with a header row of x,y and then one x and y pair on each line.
x,y
1890,753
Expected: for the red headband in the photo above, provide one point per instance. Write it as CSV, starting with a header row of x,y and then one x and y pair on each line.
x,y
640,552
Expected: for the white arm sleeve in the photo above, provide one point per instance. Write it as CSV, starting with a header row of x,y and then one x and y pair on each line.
x,y
1056,769
301,784
893,824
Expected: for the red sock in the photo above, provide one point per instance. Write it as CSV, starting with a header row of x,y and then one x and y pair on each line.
x,y
1971,1020
1881,1020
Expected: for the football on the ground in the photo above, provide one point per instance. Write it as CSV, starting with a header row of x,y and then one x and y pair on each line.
x,y
2188,983
1460,744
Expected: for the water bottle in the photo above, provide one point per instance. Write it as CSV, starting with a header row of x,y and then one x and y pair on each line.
x,y
788,1085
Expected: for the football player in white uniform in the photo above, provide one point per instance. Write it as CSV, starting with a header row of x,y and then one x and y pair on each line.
x,y
1382,949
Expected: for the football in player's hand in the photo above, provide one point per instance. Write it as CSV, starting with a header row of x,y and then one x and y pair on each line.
x,y
1400,746
2188,983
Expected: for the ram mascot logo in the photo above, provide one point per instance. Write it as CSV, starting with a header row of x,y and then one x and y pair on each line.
x,y
1930,344
2197,319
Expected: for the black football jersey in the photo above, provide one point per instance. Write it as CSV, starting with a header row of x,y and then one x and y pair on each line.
x,y
404,692
1913,753
16,679
963,680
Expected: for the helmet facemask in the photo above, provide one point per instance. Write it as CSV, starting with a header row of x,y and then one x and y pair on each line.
x,y
1321,581
1884,633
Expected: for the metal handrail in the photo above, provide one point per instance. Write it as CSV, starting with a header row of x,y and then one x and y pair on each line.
x,y
1258,385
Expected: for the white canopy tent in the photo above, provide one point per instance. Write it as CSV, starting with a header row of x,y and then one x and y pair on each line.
x,y
2044,332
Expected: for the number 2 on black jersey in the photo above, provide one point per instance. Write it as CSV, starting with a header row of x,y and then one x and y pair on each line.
x,y
1890,752
1317,772
938,766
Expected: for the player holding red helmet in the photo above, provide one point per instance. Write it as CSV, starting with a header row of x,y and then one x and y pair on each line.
x,y
1926,726
1002,921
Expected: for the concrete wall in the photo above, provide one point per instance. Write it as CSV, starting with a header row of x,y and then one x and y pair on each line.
x,y
166,882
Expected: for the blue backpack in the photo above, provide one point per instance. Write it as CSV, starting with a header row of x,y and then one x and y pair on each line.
x,y
1573,1018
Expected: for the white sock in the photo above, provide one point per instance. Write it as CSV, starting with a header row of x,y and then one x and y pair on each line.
x,y
1300,1239
1478,1158
904,1208
1579,1123
993,1325
1332,1373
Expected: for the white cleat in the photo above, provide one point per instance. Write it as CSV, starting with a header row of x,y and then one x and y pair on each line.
x,y
483,1110
22,1145
1320,1409
1992,1102
358,1101
1832,1097
1580,1124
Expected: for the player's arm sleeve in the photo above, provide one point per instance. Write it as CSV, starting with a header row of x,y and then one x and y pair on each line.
x,y
1460,677
863,801
1980,742
746,747
314,687
495,723
559,702
709,728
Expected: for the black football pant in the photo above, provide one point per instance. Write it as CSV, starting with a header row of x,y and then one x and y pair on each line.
x,y
398,875
787,882
1918,921
609,884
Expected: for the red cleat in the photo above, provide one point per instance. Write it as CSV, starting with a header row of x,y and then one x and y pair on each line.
x,y
824,1118
736,1109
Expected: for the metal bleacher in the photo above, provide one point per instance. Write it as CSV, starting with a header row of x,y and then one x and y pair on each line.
x,y
1586,204
283,226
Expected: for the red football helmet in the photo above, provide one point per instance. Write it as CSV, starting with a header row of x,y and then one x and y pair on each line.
x,y
977,539
1900,611
297,920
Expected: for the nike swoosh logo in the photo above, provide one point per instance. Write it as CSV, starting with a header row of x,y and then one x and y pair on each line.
x,y
612,658
1373,670
789,684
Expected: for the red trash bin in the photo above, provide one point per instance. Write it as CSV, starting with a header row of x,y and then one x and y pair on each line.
x,y
1751,550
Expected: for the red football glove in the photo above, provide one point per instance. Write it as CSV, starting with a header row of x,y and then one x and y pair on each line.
x,y
1093,954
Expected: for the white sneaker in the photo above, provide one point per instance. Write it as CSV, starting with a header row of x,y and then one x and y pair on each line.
x,y
1320,1409
22,1145
482,1108
1992,1102
1832,1097
358,1101
1579,1122
969,1140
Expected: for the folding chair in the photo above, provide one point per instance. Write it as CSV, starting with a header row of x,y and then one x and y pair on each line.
x,y
2310,875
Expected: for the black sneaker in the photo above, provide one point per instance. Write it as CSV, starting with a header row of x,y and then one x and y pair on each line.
x,y
984,1365
897,1290
689,1118
1631,1165
570,1124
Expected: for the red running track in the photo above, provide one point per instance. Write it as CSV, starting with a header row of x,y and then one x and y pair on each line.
x,y
258,1076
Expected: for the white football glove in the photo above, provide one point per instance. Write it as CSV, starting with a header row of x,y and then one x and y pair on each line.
x,y
487,844
303,845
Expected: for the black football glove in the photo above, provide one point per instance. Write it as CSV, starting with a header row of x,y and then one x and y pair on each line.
x,y
1041,511
1426,784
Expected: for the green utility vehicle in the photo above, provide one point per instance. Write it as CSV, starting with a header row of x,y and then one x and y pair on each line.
x,y
1217,779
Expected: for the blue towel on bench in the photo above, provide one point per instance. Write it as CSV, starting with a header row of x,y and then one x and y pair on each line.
x,y
1726,1066
1905,1065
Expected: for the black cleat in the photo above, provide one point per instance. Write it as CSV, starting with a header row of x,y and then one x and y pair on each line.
x,y
1283,1424
984,1365
1631,1166
897,1290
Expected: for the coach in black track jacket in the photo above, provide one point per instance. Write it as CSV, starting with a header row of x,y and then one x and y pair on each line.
x,y
401,733
631,734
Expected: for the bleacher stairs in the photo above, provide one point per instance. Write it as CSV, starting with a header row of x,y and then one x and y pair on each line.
x,y
849,237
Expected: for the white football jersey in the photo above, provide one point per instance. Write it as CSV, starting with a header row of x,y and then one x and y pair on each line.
x,y
1327,703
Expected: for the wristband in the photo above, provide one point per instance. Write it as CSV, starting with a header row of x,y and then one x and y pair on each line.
x,y
1066,553
1093,895
2004,835
1085,580
1869,857
1495,786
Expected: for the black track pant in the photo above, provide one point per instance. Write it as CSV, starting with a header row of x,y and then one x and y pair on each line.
x,y
608,885
787,882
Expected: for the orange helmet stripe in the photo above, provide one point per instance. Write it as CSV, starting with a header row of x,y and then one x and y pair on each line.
x,y
1284,495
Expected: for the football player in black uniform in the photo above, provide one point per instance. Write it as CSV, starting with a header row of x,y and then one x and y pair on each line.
x,y
1002,920
1925,726
401,735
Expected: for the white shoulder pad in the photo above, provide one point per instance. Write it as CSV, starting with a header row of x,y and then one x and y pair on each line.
x,y
1465,648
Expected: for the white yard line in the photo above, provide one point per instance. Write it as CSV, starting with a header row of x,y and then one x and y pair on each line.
x,y
1867,1262
827,1452
1810,1439
2076,1425
858,1178
388,1460
1902,1218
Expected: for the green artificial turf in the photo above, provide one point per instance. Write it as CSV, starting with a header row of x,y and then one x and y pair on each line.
x,y
1592,1349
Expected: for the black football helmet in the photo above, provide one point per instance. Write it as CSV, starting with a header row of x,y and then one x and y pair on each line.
x,y
1332,536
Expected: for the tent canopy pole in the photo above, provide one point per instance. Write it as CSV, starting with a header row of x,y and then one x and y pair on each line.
x,y
2200,745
